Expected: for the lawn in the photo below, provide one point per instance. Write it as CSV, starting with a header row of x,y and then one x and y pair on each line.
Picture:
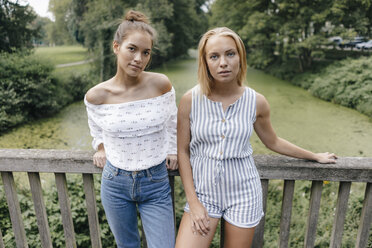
x,y
62,54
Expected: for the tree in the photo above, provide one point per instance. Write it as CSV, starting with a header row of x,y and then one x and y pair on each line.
x,y
62,12
179,24
15,31
280,30
41,24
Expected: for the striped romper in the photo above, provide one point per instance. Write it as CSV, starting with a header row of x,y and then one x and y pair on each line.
x,y
225,177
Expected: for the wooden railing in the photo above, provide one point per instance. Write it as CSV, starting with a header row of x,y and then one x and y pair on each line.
x,y
345,171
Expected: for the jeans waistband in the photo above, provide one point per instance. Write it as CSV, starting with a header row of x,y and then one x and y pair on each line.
x,y
147,172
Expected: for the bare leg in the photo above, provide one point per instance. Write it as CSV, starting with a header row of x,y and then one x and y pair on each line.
x,y
237,237
186,237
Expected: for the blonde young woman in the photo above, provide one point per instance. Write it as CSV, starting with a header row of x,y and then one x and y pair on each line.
x,y
132,118
215,121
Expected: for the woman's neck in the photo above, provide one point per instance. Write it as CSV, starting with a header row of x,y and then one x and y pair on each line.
x,y
125,80
225,89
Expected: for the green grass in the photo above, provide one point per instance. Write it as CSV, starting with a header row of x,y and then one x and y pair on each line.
x,y
62,54
65,72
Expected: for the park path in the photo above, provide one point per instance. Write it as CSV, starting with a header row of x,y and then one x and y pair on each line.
x,y
75,63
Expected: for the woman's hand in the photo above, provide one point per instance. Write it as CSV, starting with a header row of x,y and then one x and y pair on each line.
x,y
199,219
326,158
99,158
171,162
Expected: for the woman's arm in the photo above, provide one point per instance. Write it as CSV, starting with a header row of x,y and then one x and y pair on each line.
x,y
171,125
198,214
267,135
99,158
95,96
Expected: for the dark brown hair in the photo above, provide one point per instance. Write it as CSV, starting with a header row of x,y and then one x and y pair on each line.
x,y
134,20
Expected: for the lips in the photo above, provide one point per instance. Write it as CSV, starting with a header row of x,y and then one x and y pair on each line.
x,y
136,67
224,72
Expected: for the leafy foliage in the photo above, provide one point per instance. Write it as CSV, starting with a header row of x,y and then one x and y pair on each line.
x,y
28,89
179,24
278,31
78,210
347,82
15,31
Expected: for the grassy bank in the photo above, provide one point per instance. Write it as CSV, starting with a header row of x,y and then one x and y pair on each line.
x,y
347,82
62,54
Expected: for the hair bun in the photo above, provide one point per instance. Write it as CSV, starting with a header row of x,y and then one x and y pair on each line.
x,y
137,16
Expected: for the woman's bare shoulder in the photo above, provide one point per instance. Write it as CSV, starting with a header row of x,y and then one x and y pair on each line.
x,y
160,81
185,102
98,94
262,105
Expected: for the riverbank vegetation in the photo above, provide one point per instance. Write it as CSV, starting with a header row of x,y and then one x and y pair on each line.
x,y
291,40
29,89
347,82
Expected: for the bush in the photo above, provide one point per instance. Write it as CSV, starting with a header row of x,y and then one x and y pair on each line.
x,y
348,83
29,90
78,211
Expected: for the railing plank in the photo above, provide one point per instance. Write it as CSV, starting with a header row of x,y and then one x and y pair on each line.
x,y
351,169
258,239
312,220
285,219
14,209
365,219
64,203
90,197
341,207
1,240
41,216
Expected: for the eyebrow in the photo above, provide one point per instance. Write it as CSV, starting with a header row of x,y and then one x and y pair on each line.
x,y
131,44
230,50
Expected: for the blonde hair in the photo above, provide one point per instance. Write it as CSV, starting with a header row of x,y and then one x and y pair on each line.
x,y
134,20
204,77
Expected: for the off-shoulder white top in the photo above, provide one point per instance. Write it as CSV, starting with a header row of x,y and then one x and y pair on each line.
x,y
136,135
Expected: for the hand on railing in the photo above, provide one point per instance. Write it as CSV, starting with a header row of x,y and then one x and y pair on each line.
x,y
171,162
326,158
99,158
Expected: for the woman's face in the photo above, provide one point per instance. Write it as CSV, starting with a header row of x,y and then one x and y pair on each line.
x,y
133,53
222,58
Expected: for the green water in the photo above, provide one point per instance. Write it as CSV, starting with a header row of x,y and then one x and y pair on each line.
x,y
295,114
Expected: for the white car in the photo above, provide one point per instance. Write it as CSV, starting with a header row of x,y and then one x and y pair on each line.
x,y
365,45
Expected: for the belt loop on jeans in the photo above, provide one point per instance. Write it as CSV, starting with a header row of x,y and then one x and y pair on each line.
x,y
148,173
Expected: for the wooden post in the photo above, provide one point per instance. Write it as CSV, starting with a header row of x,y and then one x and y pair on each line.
x,y
90,198
365,219
64,203
222,233
341,207
312,220
258,239
285,219
41,216
14,209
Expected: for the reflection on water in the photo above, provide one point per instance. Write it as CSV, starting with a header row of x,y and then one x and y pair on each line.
x,y
295,114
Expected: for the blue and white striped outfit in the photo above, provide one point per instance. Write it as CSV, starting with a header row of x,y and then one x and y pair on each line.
x,y
225,177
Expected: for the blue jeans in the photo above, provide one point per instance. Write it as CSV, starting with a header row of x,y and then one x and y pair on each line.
x,y
122,191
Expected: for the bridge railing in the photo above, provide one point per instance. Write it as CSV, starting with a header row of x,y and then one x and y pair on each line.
x,y
61,162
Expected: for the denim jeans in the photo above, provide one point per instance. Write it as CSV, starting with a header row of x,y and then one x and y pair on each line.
x,y
123,191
